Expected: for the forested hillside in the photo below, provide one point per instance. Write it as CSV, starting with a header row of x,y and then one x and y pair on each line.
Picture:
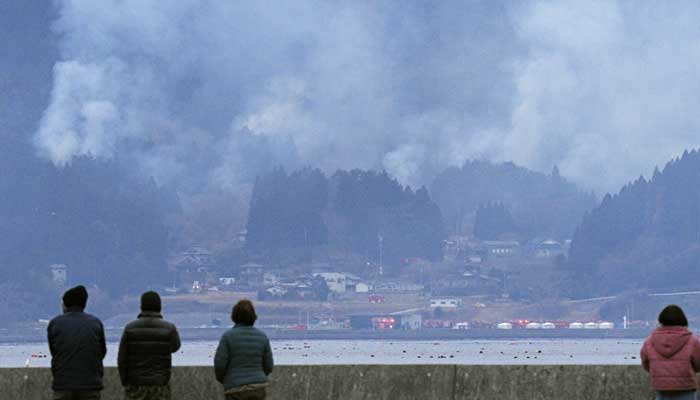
x,y
541,205
645,237
107,225
358,211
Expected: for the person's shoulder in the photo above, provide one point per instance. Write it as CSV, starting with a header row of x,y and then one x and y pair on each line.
x,y
694,339
259,332
92,318
132,324
55,321
169,324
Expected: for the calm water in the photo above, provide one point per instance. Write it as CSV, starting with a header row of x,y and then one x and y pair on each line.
x,y
599,351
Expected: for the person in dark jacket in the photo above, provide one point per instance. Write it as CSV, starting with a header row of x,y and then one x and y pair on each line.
x,y
243,359
145,352
77,345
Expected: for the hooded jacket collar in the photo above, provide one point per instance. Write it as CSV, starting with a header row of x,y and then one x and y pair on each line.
x,y
669,340
150,314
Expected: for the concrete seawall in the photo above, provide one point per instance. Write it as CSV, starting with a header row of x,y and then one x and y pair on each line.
x,y
385,382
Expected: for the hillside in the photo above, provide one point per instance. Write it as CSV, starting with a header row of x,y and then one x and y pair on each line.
x,y
644,237
541,205
366,213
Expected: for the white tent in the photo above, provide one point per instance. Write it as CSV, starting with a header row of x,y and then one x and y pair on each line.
x,y
504,325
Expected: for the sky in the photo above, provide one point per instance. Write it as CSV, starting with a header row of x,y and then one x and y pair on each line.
x,y
214,92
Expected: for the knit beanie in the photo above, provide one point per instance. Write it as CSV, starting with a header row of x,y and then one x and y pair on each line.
x,y
75,297
150,301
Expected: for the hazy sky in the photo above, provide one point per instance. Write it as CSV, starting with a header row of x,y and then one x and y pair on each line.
x,y
219,90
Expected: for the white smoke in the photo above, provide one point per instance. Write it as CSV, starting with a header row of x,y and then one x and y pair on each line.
x,y
607,89
220,90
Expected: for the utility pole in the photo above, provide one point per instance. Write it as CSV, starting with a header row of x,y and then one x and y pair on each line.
x,y
381,251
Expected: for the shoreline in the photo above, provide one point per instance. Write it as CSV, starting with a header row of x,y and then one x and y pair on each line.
x,y
213,334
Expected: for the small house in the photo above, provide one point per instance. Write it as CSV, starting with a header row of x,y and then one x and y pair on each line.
x,y
251,275
59,274
502,248
447,302
336,281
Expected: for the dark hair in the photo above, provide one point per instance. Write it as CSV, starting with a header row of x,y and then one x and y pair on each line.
x,y
243,313
150,301
672,316
75,297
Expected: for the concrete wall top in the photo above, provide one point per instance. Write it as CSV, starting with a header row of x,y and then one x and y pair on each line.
x,y
382,382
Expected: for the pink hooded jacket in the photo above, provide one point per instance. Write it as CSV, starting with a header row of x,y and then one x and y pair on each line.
x,y
672,356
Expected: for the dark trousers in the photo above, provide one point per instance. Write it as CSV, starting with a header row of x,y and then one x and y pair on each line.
x,y
76,395
257,394
147,392
681,395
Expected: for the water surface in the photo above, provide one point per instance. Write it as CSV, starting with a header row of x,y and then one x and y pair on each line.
x,y
294,352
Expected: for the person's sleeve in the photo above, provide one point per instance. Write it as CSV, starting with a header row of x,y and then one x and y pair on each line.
x,y
103,342
221,359
695,356
50,338
122,359
268,362
174,340
644,356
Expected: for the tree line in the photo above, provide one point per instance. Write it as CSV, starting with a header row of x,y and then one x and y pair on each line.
x,y
364,212
533,204
647,236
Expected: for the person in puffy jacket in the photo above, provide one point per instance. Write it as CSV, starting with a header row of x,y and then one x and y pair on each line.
x,y
243,359
671,355
145,351
77,345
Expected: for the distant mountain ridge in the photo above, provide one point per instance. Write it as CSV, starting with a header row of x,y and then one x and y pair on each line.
x,y
645,237
541,205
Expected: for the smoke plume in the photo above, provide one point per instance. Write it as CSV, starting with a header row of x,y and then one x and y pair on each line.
x,y
215,92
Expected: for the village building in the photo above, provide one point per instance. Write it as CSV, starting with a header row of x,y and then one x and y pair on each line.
x,y
549,249
501,248
227,281
59,274
410,320
398,287
195,264
336,281
252,275
446,302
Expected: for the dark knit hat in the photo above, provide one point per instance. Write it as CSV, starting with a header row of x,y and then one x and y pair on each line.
x,y
75,297
150,301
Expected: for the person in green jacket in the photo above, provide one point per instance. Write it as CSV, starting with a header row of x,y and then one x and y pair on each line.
x,y
243,359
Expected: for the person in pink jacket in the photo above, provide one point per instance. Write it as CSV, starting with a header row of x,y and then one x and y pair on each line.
x,y
671,355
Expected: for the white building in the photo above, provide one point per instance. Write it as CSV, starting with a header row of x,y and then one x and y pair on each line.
x,y
361,288
606,325
448,302
336,281
59,274
227,281
502,248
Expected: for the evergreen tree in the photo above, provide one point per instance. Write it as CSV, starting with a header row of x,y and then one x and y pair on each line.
x,y
642,237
